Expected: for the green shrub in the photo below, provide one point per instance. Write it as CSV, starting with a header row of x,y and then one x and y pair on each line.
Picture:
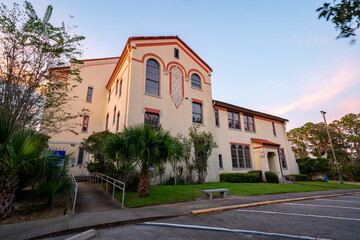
x,y
239,177
258,173
271,177
301,177
313,167
223,177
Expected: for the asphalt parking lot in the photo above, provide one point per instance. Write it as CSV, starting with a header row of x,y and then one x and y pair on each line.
x,y
327,218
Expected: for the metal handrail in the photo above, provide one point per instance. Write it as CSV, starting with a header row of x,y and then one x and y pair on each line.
x,y
74,190
96,177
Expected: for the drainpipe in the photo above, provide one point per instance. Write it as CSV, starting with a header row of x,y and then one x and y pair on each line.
x,y
286,146
127,90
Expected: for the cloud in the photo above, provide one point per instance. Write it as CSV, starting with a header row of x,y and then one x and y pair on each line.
x,y
350,105
321,92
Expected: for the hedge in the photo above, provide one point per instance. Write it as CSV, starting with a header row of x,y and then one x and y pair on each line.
x,y
250,177
257,172
271,177
301,177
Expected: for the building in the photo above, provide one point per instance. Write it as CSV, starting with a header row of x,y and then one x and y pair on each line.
x,y
161,80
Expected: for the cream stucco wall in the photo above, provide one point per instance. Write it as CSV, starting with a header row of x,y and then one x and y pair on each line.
x,y
131,104
95,74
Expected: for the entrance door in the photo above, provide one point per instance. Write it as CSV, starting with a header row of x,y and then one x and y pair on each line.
x,y
271,161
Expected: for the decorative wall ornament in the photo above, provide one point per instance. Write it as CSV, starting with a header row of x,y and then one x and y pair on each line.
x,y
166,71
176,88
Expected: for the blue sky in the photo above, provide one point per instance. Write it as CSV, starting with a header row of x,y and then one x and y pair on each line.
x,y
272,56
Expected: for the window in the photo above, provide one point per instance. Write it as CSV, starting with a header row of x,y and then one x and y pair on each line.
x,y
117,121
151,119
85,123
120,89
195,81
152,77
220,162
240,156
107,122
176,53
197,112
89,94
217,123
274,130
117,85
80,156
233,120
249,124
114,115
109,95
282,158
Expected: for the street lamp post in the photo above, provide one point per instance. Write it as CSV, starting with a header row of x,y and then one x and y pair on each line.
x,y
332,148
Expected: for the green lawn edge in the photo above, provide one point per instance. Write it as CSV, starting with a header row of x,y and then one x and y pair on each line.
x,y
163,194
330,185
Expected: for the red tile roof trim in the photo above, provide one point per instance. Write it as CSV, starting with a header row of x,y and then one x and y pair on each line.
x,y
152,110
263,141
197,100
151,38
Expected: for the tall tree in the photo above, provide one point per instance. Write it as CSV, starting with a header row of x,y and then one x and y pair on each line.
x,y
34,84
203,143
311,139
349,126
344,14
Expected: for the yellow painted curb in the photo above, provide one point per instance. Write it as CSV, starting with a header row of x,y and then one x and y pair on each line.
x,y
218,209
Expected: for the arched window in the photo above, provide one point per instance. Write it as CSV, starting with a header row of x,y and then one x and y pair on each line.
x,y
234,157
282,158
241,156
114,115
152,77
195,81
117,85
247,157
117,121
107,122
120,88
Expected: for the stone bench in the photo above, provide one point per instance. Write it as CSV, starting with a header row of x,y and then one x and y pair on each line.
x,y
222,191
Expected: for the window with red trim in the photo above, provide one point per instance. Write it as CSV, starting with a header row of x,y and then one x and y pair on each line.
x,y
152,119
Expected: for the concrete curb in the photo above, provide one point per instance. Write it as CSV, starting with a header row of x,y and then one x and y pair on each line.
x,y
218,209
99,226
84,235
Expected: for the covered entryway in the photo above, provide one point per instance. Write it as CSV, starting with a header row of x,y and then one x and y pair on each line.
x,y
271,161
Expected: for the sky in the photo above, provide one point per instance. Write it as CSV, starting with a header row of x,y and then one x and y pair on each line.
x,y
271,56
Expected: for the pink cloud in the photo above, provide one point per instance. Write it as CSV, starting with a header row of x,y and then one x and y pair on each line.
x,y
350,105
323,91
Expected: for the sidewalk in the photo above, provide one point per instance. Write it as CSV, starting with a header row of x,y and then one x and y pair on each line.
x,y
84,221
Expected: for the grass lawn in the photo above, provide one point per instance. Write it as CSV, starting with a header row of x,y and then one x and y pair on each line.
x,y
330,185
161,194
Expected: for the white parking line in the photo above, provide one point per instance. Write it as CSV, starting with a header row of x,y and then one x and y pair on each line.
x,y
350,197
196,227
316,205
299,214
323,199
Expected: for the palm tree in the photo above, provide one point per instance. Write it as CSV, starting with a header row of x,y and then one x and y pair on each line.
x,y
143,145
17,149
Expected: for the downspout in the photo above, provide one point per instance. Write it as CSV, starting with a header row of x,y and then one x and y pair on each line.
x,y
127,90
286,145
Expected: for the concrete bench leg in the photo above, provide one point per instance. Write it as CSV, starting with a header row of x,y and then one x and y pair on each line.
x,y
210,195
223,194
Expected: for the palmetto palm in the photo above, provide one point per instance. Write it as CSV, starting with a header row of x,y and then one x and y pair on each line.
x,y
17,149
143,145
